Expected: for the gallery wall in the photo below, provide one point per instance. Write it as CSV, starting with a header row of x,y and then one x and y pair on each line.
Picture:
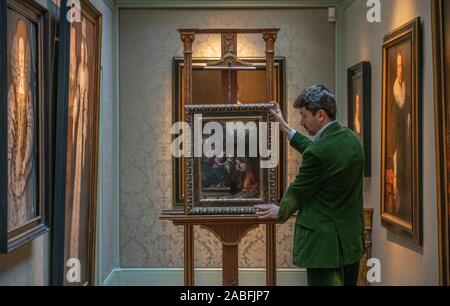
x,y
148,39
402,263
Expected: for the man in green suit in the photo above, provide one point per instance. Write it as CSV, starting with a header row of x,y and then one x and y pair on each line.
x,y
327,193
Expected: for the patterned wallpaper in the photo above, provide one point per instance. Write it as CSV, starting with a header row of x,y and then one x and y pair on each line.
x,y
148,41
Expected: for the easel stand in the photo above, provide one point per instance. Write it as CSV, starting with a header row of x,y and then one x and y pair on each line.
x,y
229,230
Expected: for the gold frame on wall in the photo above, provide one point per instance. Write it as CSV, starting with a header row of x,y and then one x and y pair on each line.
x,y
36,90
178,116
64,183
441,56
410,231
363,72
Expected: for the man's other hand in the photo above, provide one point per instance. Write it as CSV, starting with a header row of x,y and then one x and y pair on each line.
x,y
267,211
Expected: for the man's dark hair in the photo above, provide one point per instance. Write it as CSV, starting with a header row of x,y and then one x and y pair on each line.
x,y
317,98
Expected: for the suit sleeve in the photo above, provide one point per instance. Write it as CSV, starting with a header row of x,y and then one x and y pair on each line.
x,y
306,184
300,142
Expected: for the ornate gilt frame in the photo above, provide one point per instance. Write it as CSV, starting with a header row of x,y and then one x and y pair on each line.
x,y
268,176
409,31
58,264
441,55
362,70
10,240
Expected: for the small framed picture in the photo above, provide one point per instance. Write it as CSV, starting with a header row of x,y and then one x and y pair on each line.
x,y
359,108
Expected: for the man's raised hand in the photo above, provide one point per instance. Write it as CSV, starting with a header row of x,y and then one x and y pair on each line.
x,y
278,115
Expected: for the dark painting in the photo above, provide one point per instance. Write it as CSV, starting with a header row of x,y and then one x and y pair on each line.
x,y
226,178
359,108
401,198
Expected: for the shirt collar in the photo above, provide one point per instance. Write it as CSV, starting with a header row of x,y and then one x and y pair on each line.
x,y
317,136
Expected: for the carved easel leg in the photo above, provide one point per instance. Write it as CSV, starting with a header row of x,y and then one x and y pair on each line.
x,y
230,235
271,258
230,275
189,255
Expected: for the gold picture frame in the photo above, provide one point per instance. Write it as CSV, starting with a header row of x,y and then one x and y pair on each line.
x,y
401,140
229,185
440,12
25,179
74,235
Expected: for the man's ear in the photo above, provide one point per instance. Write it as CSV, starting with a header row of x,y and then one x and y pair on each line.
x,y
322,115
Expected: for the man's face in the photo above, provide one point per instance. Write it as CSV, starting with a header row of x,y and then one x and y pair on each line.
x,y
312,124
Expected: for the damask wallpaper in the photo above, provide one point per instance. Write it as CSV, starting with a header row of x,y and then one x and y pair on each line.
x,y
148,40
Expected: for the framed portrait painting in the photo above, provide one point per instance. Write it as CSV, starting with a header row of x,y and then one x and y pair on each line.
x,y
228,175
401,140
25,178
214,86
441,51
78,126
359,108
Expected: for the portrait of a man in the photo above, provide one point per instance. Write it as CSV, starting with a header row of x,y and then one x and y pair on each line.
x,y
401,140
398,174
21,131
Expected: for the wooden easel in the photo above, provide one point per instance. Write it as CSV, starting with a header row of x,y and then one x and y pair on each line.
x,y
228,229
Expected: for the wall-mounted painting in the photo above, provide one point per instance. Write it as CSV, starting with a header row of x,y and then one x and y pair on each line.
x,y
25,177
211,86
441,48
228,176
401,137
359,108
79,97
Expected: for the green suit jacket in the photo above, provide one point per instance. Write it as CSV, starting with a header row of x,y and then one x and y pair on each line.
x,y
328,194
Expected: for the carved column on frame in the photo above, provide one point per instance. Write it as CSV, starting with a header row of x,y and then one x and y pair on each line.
x,y
188,39
229,44
270,38
229,77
